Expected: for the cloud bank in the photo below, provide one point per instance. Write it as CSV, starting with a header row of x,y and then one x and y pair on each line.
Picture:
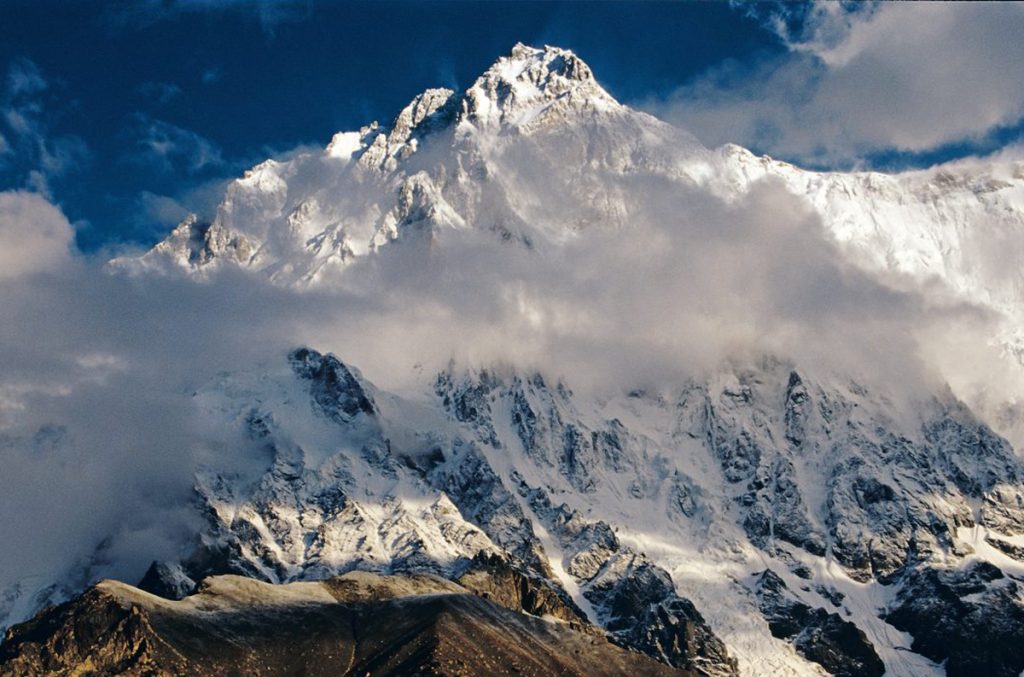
x,y
34,235
864,78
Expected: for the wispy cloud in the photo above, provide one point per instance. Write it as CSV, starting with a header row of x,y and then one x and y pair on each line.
x,y
24,78
160,212
211,76
859,79
269,13
29,151
169,147
159,92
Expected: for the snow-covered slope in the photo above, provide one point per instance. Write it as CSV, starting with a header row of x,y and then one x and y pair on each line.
x,y
766,517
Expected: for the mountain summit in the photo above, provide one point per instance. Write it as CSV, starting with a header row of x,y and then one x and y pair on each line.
x,y
535,151
531,86
445,162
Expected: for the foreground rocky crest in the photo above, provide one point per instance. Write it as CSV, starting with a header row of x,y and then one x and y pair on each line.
x,y
356,624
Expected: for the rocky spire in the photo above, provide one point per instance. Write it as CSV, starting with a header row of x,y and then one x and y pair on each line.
x,y
523,85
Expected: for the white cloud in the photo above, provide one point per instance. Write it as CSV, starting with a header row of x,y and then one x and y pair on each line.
x,y
170,147
30,147
896,76
34,235
159,92
160,210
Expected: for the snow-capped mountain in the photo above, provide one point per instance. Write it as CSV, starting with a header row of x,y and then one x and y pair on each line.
x,y
446,162
635,505
763,517
762,521
456,160
536,154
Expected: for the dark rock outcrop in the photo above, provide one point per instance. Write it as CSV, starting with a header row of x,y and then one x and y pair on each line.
x,y
168,580
357,624
493,578
972,619
336,389
675,631
825,638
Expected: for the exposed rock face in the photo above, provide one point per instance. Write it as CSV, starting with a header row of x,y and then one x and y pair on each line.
x,y
337,391
642,516
672,629
494,579
881,482
971,618
358,624
92,634
168,580
630,595
483,499
825,638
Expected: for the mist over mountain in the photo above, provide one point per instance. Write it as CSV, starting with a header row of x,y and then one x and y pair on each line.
x,y
732,414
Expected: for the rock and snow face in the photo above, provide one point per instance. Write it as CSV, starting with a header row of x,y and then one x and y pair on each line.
x,y
761,519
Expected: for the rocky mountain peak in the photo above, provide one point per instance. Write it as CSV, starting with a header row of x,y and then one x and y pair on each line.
x,y
521,86
337,389
552,60
427,110
514,91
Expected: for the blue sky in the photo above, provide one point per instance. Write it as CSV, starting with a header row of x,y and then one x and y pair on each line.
x,y
126,114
